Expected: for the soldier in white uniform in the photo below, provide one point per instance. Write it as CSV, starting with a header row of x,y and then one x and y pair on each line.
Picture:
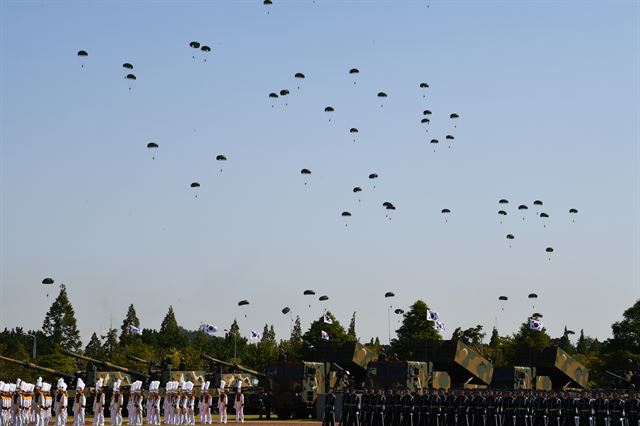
x,y
25,403
15,405
204,404
239,404
153,404
47,401
138,401
115,405
182,405
62,400
190,405
168,416
222,403
98,404
79,404
38,403
3,397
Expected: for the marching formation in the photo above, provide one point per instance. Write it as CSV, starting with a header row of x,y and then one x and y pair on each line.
x,y
24,404
486,408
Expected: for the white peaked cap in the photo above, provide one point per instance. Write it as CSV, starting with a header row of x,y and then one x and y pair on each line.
x,y
157,385
99,383
64,386
46,387
190,384
182,384
239,385
39,382
12,387
59,384
222,384
206,385
18,381
80,384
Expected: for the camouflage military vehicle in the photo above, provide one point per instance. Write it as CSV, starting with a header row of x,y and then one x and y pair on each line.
x,y
114,372
412,375
464,365
563,370
48,373
351,357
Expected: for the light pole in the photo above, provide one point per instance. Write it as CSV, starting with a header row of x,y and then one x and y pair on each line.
x,y
33,349
234,342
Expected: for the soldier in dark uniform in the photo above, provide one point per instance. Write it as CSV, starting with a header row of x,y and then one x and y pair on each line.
x,y
344,417
450,409
491,409
329,418
616,409
509,409
389,409
426,406
461,410
539,410
407,408
554,410
568,410
379,408
397,408
586,410
632,408
436,411
601,410
418,400
356,408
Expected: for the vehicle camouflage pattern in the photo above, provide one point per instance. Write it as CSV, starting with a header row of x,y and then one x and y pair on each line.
x,y
464,365
393,374
353,357
127,375
563,370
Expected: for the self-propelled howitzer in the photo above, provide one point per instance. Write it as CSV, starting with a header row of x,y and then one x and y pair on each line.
x,y
106,364
233,366
32,366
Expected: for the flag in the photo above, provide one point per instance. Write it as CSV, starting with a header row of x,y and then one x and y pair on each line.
x,y
432,315
324,335
535,325
209,329
255,335
439,326
135,330
327,319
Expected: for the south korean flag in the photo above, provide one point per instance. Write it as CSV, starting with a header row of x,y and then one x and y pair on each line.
x,y
255,335
209,329
536,325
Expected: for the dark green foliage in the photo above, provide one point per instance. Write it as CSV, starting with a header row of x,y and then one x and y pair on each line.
x,y
414,329
60,324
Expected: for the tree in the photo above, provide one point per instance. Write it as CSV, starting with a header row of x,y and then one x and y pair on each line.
x,y
495,339
60,324
110,345
352,327
268,335
169,335
564,343
94,347
296,332
130,320
414,331
622,351
313,337
470,336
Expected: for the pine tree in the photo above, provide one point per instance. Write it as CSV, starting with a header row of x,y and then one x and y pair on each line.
x,y
94,347
582,346
169,335
266,336
352,327
414,331
110,345
296,332
60,324
272,333
495,339
130,320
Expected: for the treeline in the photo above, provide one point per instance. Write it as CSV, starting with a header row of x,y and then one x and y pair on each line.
x,y
619,354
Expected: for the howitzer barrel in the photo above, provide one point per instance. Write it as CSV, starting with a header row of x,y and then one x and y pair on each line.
x,y
107,364
230,365
616,376
33,366
141,360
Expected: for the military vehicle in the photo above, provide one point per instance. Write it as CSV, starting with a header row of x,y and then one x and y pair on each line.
x,y
519,378
412,375
350,358
48,373
114,372
464,365
563,370
629,380
164,372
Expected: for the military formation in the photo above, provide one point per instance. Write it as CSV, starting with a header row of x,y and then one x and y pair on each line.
x,y
25,404
486,408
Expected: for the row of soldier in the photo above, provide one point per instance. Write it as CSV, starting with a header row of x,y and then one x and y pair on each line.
x,y
486,408
25,404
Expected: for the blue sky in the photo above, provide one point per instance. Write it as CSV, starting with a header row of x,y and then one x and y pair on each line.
x,y
548,97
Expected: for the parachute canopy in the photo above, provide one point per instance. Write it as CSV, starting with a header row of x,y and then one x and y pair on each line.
x,y
389,294
424,85
373,176
503,298
206,49
152,145
267,2
130,77
195,185
453,116
503,201
522,207
399,311
353,130
243,302
299,75
47,281
549,249
82,53
323,298
426,112
425,120
221,157
502,212
284,92
434,140
354,71
305,172
532,296
309,293
537,203
382,95
573,211
449,137
543,214
357,189
273,95
286,310
195,44
328,109
510,237
346,214
446,211
127,66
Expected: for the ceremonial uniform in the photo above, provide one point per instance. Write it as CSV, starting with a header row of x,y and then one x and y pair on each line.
x,y
329,418
204,405
222,403
115,405
98,404
239,404
379,409
586,411
407,409
601,407
632,408
79,404
62,400
153,404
